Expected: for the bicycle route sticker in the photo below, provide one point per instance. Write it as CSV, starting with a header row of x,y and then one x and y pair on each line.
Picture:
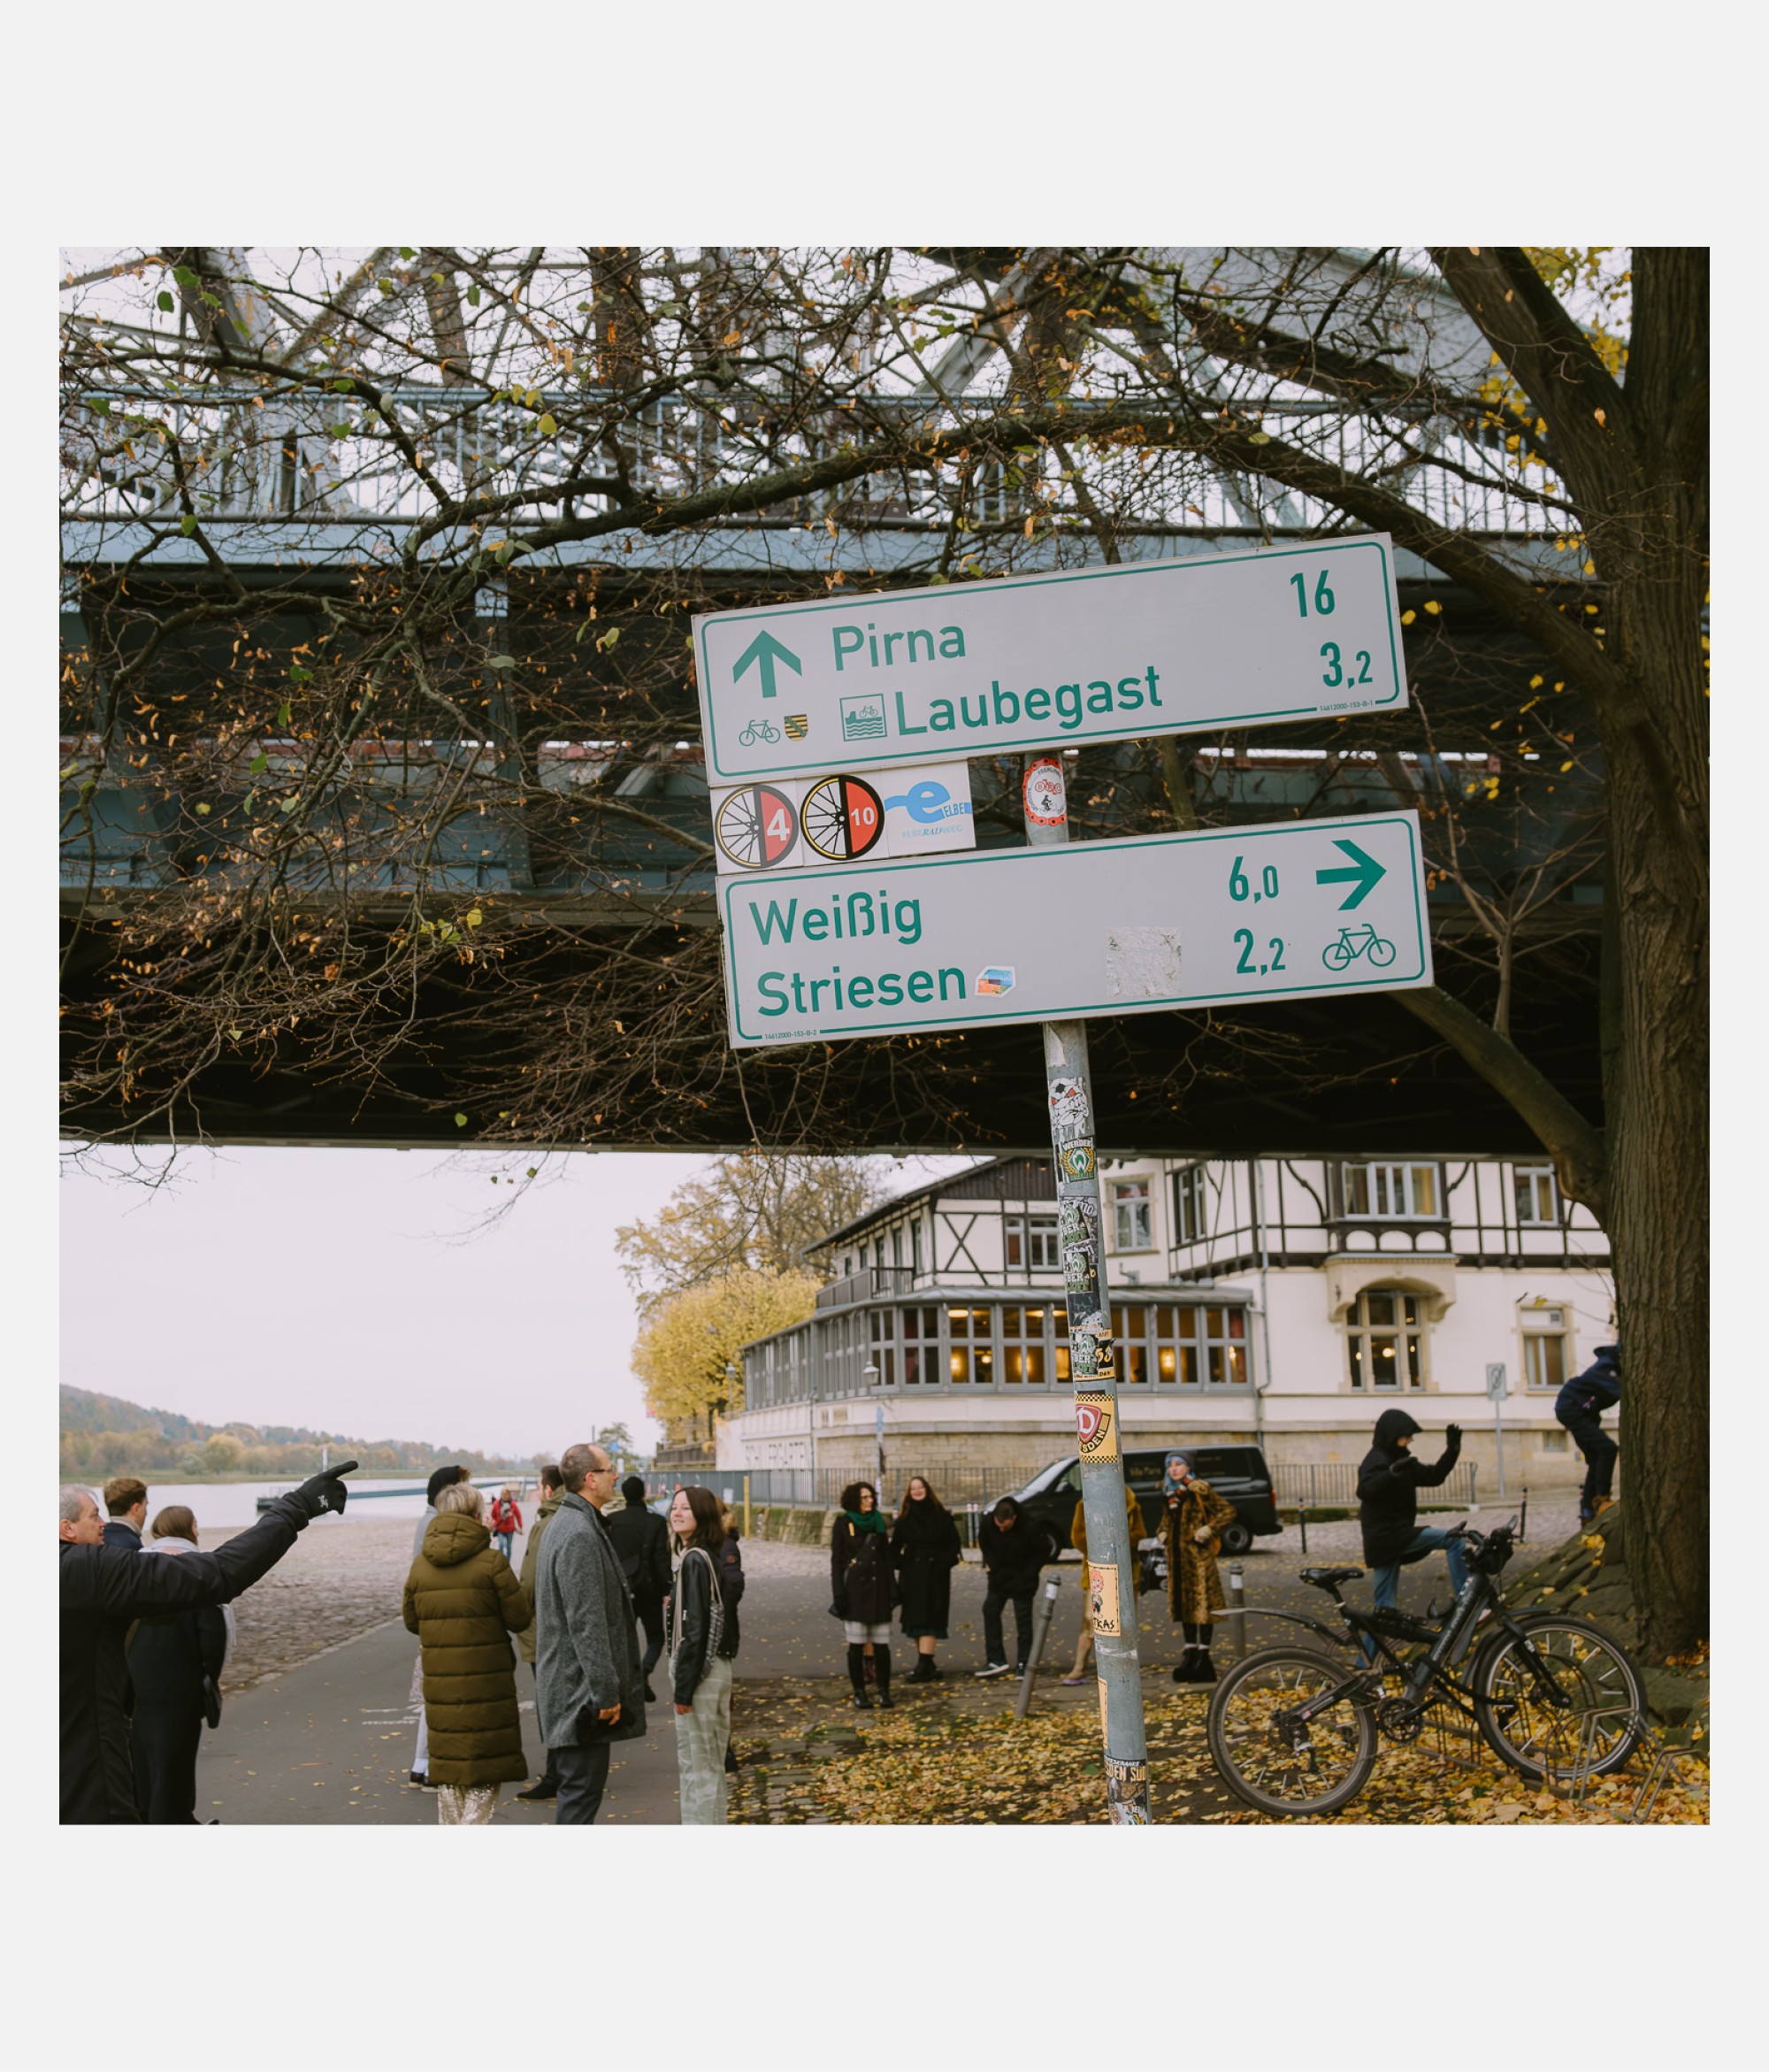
x,y
1096,1428
1045,796
756,828
842,818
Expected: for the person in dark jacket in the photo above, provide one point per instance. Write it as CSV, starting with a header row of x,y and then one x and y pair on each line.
x,y
700,1659
862,1588
924,1551
1388,1482
102,1590
551,1490
1579,1406
126,1506
175,1663
589,1691
463,1602
1013,1554
641,1542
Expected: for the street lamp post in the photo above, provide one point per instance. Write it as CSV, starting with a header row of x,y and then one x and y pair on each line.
x,y
869,1374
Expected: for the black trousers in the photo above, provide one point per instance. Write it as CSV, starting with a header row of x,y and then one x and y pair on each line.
x,y
994,1641
164,1749
1600,1450
648,1604
583,1778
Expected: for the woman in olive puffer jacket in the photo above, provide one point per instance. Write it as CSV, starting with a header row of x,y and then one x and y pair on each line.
x,y
463,1602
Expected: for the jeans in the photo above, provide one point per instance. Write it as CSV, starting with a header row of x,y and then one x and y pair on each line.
x,y
994,1641
583,1776
503,1540
649,1606
1426,1540
703,1736
1600,1450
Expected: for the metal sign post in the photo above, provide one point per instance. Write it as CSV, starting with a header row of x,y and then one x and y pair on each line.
x,y
1497,1387
1112,1580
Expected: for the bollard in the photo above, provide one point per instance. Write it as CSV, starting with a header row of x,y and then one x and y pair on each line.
x,y
746,1507
1041,1626
1237,1608
1302,1520
1523,1516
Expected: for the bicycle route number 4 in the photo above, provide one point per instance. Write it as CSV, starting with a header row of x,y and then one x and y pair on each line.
x,y
1339,955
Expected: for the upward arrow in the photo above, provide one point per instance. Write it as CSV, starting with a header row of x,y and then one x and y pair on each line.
x,y
1365,872
765,651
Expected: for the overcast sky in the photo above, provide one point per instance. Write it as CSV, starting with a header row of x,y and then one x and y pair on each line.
x,y
347,1291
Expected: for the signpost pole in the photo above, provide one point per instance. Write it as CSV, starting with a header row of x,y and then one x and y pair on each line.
x,y
1497,1386
1092,1369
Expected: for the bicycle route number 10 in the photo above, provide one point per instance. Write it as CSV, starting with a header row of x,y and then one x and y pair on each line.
x,y
1240,888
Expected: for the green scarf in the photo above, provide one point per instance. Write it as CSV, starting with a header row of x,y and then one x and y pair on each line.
x,y
872,1521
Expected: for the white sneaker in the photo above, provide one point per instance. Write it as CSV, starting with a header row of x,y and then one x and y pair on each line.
x,y
994,1669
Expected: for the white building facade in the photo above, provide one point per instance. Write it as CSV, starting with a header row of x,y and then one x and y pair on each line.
x,y
1287,1301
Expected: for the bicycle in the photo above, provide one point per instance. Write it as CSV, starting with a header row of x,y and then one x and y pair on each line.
x,y
1291,1733
1337,956
758,730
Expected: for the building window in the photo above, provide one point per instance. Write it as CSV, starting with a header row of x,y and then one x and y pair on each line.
x,y
921,1347
916,1248
1553,1442
1545,1347
1188,1205
1025,1355
885,1347
1406,1192
1538,1199
1031,1242
972,1356
1130,1330
1196,1344
1386,1341
1132,1230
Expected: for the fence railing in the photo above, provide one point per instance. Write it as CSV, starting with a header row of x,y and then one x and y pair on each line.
x,y
1334,1483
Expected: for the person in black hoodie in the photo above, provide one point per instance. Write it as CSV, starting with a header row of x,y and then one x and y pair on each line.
x,y
1013,1553
1388,1482
1579,1406
641,1546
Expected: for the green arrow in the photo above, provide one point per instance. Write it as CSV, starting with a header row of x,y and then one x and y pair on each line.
x,y
1365,872
766,651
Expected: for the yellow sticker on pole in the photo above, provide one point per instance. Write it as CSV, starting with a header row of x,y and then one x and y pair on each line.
x,y
1102,1598
1096,1425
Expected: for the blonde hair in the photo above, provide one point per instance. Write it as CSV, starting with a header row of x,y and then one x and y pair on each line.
x,y
461,1496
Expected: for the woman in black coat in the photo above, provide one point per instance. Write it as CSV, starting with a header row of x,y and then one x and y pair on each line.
x,y
175,1663
862,1588
924,1551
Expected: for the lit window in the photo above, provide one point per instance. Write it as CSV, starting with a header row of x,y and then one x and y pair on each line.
x,y
1538,1199
1199,1344
1385,1341
1188,1205
1545,1347
1023,1353
1132,1230
1407,1193
972,1354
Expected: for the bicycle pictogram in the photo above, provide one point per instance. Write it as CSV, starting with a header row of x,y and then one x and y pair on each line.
x,y
1357,942
758,730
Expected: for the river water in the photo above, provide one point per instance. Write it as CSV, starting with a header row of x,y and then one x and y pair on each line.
x,y
374,1500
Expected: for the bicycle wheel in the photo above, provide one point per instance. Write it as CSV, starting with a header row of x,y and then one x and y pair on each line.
x,y
1381,952
1277,1763
1337,956
1596,1730
756,828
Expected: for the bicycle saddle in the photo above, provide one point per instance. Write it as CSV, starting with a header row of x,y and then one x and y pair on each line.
x,y
1325,1578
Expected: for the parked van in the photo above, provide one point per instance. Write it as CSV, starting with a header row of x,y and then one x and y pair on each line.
x,y
1237,1472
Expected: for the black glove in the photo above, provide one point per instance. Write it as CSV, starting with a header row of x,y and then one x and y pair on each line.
x,y
323,1493
1452,1433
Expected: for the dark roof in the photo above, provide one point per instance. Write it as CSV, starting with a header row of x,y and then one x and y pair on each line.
x,y
996,1180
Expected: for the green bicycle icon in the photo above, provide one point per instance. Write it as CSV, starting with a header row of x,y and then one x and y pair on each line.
x,y
1357,942
758,730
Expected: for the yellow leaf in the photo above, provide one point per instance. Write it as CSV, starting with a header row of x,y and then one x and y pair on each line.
x,y
474,918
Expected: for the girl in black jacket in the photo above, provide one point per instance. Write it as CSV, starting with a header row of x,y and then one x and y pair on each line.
x,y
862,1588
699,1657
175,1663
924,1551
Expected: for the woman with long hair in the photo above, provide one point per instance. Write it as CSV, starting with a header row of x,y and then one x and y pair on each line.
x,y
463,1602
1191,1521
924,1551
700,1643
862,1588
506,1519
175,1663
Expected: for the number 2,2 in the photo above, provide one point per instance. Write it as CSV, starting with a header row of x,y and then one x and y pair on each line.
x,y
1335,672
1245,937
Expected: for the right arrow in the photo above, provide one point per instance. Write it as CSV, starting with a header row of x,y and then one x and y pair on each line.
x,y
765,651
1364,871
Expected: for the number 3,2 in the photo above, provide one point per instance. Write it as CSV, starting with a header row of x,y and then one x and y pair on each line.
x,y
1245,937
1336,673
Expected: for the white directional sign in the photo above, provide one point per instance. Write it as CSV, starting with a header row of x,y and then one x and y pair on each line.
x,y
1029,662
1161,921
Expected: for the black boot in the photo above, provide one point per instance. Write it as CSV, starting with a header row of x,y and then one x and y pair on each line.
x,y
1204,1670
921,1673
882,1657
1188,1663
856,1675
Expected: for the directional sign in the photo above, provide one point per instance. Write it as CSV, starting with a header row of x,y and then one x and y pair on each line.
x,y
1032,662
870,948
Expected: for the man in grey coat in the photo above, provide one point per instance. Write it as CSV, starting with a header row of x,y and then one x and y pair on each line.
x,y
589,1690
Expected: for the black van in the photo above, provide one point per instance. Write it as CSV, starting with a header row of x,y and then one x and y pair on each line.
x,y
1238,1472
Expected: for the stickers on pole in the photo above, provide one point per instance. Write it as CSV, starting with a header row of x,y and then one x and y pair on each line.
x,y
790,823
1095,1426
1102,1598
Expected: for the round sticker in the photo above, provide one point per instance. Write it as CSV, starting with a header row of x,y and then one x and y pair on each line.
x,y
756,828
842,817
1045,796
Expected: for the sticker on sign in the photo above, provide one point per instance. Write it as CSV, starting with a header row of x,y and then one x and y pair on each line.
x,y
1032,662
1287,911
791,822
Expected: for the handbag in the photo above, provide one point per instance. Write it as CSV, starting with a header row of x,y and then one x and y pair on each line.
x,y
212,1701
715,1613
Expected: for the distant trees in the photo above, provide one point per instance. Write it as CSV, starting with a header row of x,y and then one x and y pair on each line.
x,y
691,1339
